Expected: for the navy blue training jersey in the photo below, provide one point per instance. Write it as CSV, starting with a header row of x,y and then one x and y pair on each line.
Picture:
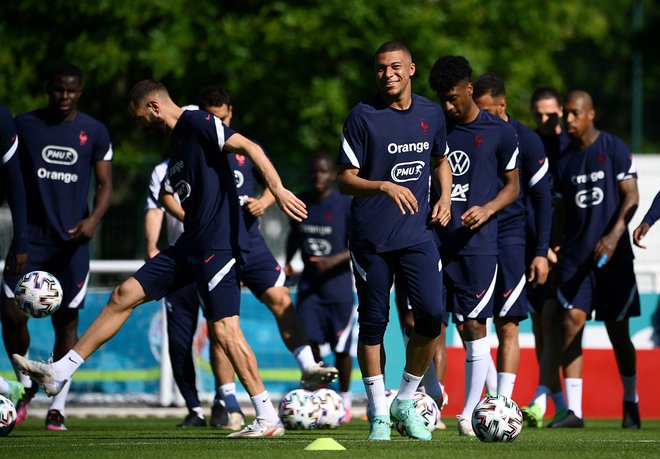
x,y
11,183
57,158
529,218
245,177
653,213
478,152
554,145
589,183
199,172
393,145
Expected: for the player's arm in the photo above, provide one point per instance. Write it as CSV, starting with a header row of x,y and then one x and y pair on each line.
x,y
153,222
606,246
286,200
649,219
351,184
84,230
442,180
476,216
170,204
541,200
330,261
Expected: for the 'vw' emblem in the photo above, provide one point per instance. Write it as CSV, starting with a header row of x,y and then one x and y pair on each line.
x,y
459,162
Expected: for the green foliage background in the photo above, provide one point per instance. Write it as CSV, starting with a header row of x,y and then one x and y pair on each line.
x,y
295,68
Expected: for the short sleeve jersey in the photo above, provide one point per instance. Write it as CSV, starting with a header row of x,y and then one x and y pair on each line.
x,y
199,172
478,152
653,213
396,146
589,183
174,226
554,147
11,179
245,177
57,158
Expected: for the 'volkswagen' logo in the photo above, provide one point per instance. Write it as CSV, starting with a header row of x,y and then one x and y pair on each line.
x,y
459,162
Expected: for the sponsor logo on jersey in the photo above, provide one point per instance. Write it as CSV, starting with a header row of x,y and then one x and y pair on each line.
x,y
459,192
176,168
415,147
321,230
317,247
407,172
242,199
66,177
54,154
183,190
239,179
588,178
459,161
589,198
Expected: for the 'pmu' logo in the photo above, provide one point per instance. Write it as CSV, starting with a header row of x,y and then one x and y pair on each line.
x,y
317,247
589,198
459,162
239,179
407,172
59,155
183,190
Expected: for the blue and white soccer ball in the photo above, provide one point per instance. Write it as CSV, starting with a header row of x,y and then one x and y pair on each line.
x,y
497,419
7,416
333,411
300,409
38,294
427,409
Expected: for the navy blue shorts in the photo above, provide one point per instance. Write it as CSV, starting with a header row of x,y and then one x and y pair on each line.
x,y
403,304
67,261
328,316
610,291
420,268
470,285
261,271
510,298
214,273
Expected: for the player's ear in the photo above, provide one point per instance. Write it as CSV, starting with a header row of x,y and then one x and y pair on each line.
x,y
412,68
154,106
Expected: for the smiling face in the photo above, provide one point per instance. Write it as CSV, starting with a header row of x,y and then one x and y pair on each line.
x,y
64,92
393,72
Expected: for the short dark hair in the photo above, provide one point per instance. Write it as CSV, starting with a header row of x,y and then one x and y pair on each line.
x,y
213,96
320,156
65,69
448,71
489,82
144,88
546,92
393,45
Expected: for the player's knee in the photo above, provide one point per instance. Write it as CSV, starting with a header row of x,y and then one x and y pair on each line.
x,y
372,333
429,323
278,300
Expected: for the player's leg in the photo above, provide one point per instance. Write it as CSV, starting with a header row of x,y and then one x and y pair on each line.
x,y
626,359
508,354
226,411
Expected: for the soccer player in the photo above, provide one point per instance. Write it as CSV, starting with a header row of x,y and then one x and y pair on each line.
x,y
325,303
598,182
482,148
523,235
649,219
391,143
59,149
261,274
207,253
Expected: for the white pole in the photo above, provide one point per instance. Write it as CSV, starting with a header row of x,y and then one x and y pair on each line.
x,y
166,379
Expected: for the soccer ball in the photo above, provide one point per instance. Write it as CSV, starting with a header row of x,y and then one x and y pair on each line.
x,y
7,416
300,410
427,409
38,294
333,411
497,418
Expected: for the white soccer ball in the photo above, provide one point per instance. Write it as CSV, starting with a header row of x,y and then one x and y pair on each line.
x,y
333,410
427,409
300,410
7,416
38,294
496,419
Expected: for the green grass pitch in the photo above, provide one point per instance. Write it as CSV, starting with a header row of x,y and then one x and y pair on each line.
x,y
159,438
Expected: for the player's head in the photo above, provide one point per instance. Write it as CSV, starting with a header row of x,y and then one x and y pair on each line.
x,y
547,109
216,100
147,101
450,79
64,88
322,172
394,68
580,113
490,94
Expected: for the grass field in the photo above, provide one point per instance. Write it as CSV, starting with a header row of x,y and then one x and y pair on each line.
x,y
158,438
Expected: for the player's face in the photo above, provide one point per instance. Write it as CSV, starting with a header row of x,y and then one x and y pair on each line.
x,y
63,94
224,112
547,113
322,175
393,72
579,117
457,101
147,118
493,105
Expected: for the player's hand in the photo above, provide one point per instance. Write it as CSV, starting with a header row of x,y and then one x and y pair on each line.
x,y
15,263
476,216
83,231
288,271
255,207
538,271
639,234
290,204
604,250
552,255
441,213
324,263
402,197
